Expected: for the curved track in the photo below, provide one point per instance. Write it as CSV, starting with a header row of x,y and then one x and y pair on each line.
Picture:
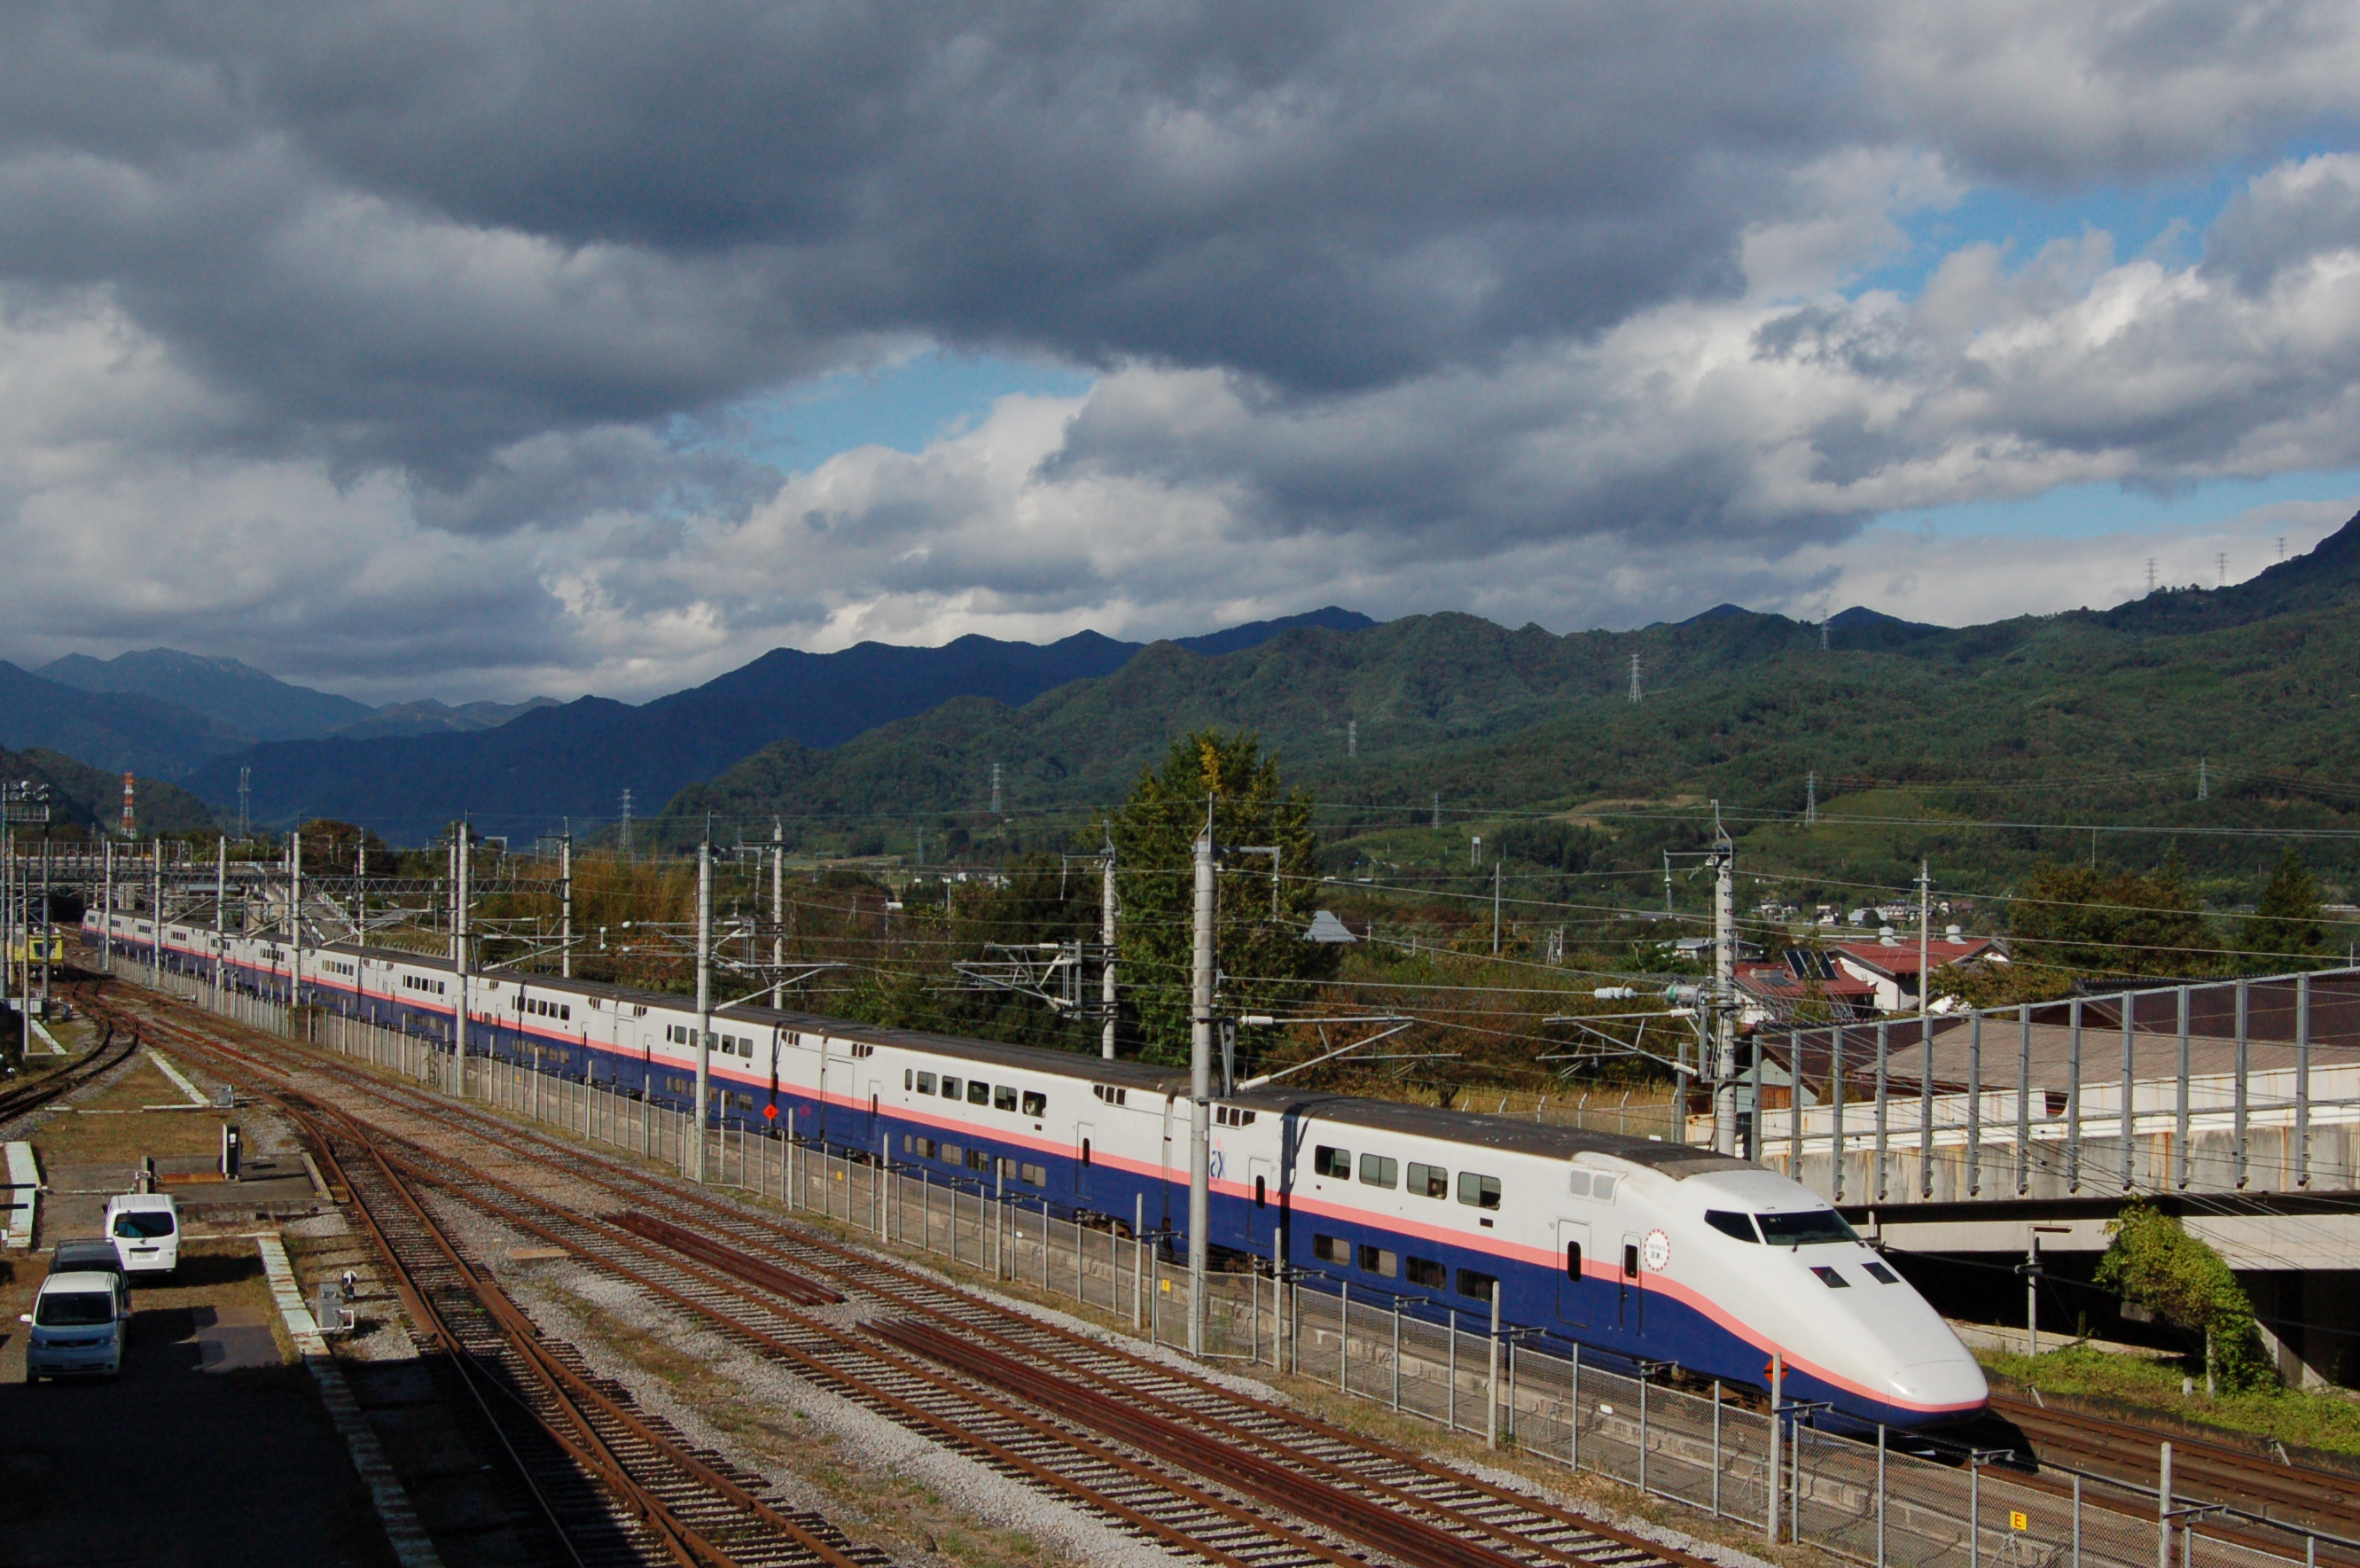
x,y
28,1097
1155,1450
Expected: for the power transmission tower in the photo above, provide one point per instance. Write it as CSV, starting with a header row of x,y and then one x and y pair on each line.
x,y
1634,678
2150,574
2203,778
995,789
1437,808
2222,562
1351,737
2282,547
626,840
1823,634
1811,800
244,791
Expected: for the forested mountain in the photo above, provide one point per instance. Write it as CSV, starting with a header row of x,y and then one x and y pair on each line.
x,y
1985,746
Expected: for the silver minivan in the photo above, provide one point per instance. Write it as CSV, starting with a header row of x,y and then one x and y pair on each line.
x,y
145,1230
79,1321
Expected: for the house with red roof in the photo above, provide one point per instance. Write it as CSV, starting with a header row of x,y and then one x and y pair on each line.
x,y
1889,964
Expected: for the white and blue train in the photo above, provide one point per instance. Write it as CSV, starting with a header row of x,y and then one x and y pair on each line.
x,y
1638,1250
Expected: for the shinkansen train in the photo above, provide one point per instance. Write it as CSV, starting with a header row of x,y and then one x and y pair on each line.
x,y
1635,1248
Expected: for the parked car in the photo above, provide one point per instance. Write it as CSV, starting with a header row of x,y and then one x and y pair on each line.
x,y
85,1254
78,1323
145,1230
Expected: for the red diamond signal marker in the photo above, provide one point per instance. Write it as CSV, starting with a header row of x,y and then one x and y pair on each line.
x,y
772,1112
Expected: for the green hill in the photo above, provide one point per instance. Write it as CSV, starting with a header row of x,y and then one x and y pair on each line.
x,y
1980,748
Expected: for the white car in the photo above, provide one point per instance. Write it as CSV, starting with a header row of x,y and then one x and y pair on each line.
x,y
145,1230
78,1324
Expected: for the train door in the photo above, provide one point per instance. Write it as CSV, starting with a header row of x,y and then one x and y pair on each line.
x,y
876,1102
836,1098
1085,1178
1269,1203
1573,1250
1630,1300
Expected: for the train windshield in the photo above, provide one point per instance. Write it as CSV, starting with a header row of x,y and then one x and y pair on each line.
x,y
1805,1229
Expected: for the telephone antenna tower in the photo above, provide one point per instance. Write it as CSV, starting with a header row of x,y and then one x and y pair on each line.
x,y
245,794
130,828
1634,678
625,841
995,789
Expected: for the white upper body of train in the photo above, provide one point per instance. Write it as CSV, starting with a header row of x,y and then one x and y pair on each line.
x,y
1636,1248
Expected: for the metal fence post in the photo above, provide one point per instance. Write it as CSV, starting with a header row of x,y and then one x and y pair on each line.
x,y
1974,1105
2073,1097
2076,1522
1883,1049
1573,1420
1836,1113
1451,1404
1770,1481
1344,1338
1716,1448
1880,1495
1644,1381
2303,1081
1794,1105
2130,1092
2243,998
1397,1353
2024,1099
1925,1093
1492,1377
2182,1165
1975,1510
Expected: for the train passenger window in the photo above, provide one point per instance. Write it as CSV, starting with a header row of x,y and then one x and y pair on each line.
x,y
1003,1098
978,1159
1882,1275
1478,1191
564,1014
1035,1104
1336,1162
978,1093
925,1083
950,1087
1034,1175
1727,1224
1831,1279
1007,1168
1573,1260
1380,1260
1426,1272
1479,1286
1630,1260
1331,1249
950,1154
1376,1170
1428,1181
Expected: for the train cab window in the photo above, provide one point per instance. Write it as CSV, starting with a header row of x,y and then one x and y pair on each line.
x,y
1106,1091
925,1083
1426,1272
1380,1260
1331,1249
1734,1224
1477,1285
1880,1274
1573,1260
950,1087
1807,1229
1376,1170
1478,1191
1831,1279
1428,1181
978,1093
1335,1162
1035,1104
1630,1260
1003,1098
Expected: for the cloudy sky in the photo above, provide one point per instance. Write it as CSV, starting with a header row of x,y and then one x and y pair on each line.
x,y
473,350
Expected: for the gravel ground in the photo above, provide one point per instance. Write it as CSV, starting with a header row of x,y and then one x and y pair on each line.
x,y
878,1480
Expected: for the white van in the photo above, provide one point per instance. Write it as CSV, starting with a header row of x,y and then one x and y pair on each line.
x,y
145,1230
77,1322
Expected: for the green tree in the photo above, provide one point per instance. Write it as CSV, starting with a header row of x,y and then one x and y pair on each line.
x,y
1264,964
2284,931
2092,921
2153,1261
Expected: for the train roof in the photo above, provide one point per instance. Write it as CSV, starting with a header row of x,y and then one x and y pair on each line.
x,y
1678,1162
1544,1139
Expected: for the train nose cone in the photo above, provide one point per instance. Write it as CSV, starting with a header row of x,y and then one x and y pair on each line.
x,y
1953,1383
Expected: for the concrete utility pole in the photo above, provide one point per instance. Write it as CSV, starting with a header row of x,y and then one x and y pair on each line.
x,y
1200,1091
156,909
295,928
566,910
1925,932
1725,999
221,916
1496,865
779,913
461,921
1105,940
703,1002
106,927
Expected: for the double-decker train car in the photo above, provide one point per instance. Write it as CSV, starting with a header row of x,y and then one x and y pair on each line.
x,y
1635,1248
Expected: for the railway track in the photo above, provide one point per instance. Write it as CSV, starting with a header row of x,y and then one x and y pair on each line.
x,y
1158,1452
2269,1486
27,1097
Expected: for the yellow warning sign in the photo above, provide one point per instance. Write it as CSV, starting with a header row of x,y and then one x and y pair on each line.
x,y
2017,1520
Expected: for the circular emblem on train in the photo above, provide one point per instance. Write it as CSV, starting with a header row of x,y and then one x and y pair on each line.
x,y
1655,1252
